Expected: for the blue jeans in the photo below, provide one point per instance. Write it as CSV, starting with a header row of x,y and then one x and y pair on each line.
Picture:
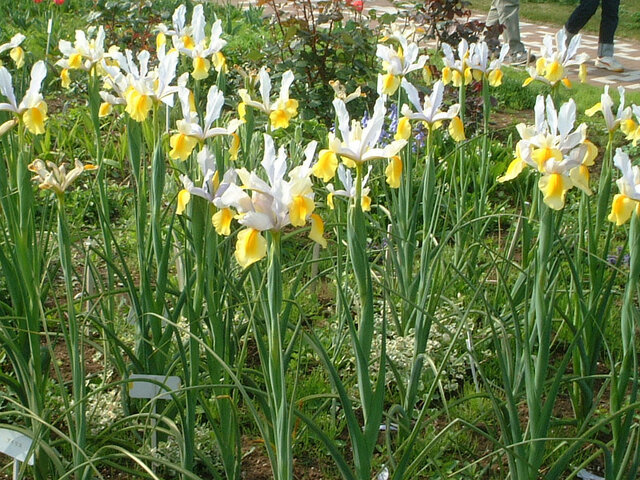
x,y
608,22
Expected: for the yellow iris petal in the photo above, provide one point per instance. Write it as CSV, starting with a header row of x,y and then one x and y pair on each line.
x,y
65,78
566,82
621,209
330,201
583,73
456,78
513,170
468,76
242,110
403,132
590,112
580,177
300,209
456,129
181,146
105,109
161,40
75,60
554,187
317,230
527,81
188,42
495,78
183,199
235,146
447,75
390,84
393,172
17,55
591,155
291,107
219,62
325,167
279,119
221,221
35,117
365,203
541,155
201,68
250,247
541,66
138,105
554,72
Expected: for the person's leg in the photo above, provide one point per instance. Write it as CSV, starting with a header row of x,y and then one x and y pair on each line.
x,y
492,17
581,15
509,16
608,25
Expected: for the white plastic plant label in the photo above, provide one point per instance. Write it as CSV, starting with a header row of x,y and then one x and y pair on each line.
x,y
15,444
141,387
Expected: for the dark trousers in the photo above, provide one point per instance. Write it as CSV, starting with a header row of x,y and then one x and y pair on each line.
x,y
586,10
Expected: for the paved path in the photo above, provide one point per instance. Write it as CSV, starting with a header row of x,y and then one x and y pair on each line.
x,y
626,51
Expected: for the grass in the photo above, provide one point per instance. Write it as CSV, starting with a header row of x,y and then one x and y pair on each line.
x,y
557,12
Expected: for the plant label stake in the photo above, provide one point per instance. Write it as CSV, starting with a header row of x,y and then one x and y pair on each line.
x,y
17,446
146,386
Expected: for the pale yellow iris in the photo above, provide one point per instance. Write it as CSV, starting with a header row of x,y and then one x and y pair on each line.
x,y
138,105
181,146
325,167
250,247
393,172
221,221
300,209
317,230
35,117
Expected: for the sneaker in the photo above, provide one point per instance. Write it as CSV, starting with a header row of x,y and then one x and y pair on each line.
x,y
609,63
521,58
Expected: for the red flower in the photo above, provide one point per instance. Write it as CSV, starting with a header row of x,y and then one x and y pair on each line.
x,y
37,1
58,2
358,5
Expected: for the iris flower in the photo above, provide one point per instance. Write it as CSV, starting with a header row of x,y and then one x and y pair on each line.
x,y
629,187
358,144
283,109
189,130
147,86
32,110
210,190
557,151
57,179
84,53
181,32
553,61
429,111
15,50
605,105
456,71
349,188
481,66
273,203
198,49
400,62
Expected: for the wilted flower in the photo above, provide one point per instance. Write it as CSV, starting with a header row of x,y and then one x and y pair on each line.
x,y
341,92
52,177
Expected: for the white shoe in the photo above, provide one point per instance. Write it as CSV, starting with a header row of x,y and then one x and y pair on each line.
x,y
609,63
